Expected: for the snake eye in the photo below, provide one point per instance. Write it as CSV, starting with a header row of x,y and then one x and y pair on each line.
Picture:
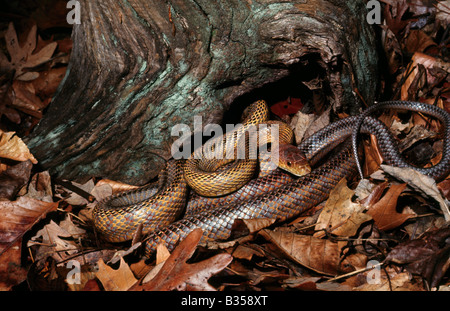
x,y
288,163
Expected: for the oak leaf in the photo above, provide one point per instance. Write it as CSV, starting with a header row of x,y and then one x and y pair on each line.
x,y
384,211
177,274
420,182
115,280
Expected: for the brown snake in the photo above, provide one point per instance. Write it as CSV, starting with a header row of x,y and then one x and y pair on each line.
x,y
157,205
276,195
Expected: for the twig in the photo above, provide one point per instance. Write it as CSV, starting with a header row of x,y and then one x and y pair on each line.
x,y
77,190
355,272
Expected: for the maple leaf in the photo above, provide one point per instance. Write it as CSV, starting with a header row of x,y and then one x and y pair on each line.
x,y
22,56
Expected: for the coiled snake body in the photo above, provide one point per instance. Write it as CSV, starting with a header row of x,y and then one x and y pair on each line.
x,y
277,195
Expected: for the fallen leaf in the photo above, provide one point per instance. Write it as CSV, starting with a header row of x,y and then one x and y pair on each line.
x,y
396,282
428,256
417,41
300,123
396,24
423,70
320,255
319,123
76,199
22,55
11,270
52,240
17,217
444,187
311,284
372,155
340,215
443,13
40,187
287,107
421,183
14,178
384,212
12,147
26,100
177,274
374,195
392,50
244,227
245,252
121,279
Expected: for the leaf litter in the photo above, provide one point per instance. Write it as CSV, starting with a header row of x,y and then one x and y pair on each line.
x,y
384,235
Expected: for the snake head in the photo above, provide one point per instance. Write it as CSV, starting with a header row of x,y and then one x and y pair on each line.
x,y
292,160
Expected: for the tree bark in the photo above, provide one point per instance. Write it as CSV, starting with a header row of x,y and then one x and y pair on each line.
x,y
139,67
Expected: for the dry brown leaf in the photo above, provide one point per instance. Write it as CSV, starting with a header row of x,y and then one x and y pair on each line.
x,y
21,54
396,282
24,98
12,147
443,13
121,279
423,70
300,123
40,187
428,256
11,270
394,21
310,284
340,215
384,211
14,178
140,269
116,186
48,81
320,255
245,252
17,217
373,157
177,274
421,183
374,195
53,241
76,199
162,253
444,187
244,227
417,41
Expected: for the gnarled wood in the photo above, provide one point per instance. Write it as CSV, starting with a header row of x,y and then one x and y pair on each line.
x,y
140,67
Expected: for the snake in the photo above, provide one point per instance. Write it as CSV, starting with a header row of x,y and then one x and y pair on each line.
x,y
277,195
158,204
217,168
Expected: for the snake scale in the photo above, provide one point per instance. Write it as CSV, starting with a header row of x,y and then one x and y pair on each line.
x,y
277,195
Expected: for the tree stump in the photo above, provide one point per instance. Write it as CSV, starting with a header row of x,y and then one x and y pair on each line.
x,y
142,66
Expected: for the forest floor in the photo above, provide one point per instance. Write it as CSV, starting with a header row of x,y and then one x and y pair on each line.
x,y
387,232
